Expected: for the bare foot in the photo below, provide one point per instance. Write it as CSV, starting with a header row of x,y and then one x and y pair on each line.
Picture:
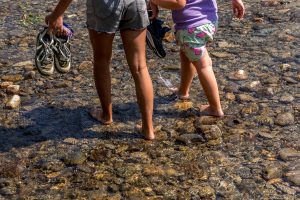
x,y
179,96
207,110
147,135
97,114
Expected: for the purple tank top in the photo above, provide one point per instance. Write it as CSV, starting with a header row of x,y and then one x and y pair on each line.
x,y
195,13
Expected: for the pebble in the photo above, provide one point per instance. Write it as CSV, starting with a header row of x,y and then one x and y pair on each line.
x,y
288,154
14,102
285,119
272,172
238,75
75,157
190,138
211,132
13,89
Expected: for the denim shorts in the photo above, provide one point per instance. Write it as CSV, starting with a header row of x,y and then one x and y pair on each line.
x,y
110,16
192,41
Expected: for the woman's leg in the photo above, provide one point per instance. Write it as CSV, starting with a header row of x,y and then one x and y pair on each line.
x,y
209,83
102,51
187,73
135,50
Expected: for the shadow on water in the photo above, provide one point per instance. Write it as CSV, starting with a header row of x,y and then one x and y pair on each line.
x,y
57,123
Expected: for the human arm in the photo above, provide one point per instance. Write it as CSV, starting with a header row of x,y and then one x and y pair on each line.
x,y
238,8
170,4
55,19
154,10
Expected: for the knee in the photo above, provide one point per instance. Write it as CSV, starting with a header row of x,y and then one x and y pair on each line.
x,y
137,70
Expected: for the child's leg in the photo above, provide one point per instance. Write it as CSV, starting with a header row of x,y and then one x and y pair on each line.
x,y
102,50
135,49
209,84
186,76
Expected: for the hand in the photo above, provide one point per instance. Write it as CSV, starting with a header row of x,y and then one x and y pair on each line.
x,y
154,9
238,8
55,24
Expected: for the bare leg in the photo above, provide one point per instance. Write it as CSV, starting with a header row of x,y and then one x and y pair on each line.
x,y
135,50
186,76
102,51
210,86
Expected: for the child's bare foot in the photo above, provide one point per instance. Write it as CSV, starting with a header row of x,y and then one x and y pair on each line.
x,y
147,135
179,96
207,110
98,115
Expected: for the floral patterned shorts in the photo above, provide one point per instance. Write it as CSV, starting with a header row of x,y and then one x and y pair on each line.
x,y
192,41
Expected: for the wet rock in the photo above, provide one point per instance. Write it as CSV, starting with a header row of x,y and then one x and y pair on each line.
x,y
238,75
54,165
5,84
12,78
29,75
290,80
253,86
190,138
271,80
230,96
272,171
264,120
211,132
85,65
285,67
265,135
23,64
205,120
245,97
14,102
75,157
12,89
294,177
287,99
284,119
231,87
288,154
99,155
7,187
206,192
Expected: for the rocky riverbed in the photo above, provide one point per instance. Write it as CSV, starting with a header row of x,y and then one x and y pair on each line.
x,y
51,149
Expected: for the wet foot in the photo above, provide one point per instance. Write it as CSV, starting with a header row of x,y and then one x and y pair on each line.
x,y
147,135
179,96
207,110
97,114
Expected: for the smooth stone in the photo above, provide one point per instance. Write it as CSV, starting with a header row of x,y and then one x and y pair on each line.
x,y
264,120
76,157
13,89
23,63
288,154
287,99
265,135
285,67
285,119
29,75
230,96
12,78
272,171
205,120
245,97
85,65
5,84
190,138
238,75
211,132
14,102
294,177
206,191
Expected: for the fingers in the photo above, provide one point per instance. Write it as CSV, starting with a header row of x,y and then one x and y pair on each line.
x,y
238,10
